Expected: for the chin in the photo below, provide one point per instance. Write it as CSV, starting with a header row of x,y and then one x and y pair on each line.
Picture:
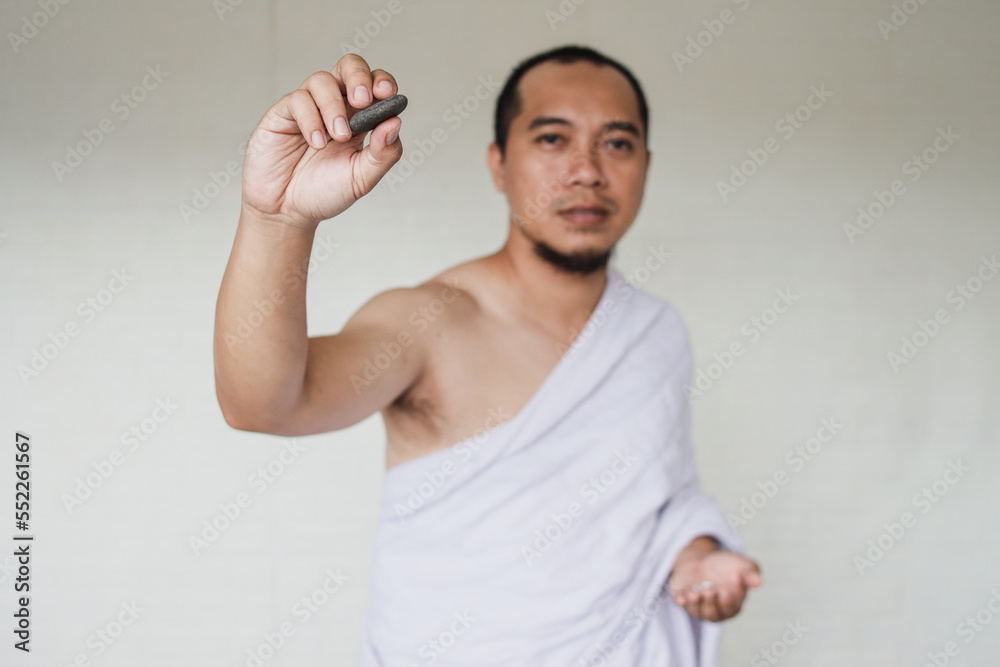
x,y
582,261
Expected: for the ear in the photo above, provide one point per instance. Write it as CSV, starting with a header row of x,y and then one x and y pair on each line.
x,y
496,165
649,161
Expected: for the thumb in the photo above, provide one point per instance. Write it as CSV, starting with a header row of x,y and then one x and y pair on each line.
x,y
383,151
751,575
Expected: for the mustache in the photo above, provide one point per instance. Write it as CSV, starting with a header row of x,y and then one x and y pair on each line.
x,y
574,202
545,202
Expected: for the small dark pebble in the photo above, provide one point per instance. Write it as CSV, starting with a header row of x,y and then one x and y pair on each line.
x,y
368,118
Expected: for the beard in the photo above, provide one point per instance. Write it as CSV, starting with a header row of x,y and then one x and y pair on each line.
x,y
582,263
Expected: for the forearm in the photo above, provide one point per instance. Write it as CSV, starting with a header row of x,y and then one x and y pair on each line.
x,y
261,341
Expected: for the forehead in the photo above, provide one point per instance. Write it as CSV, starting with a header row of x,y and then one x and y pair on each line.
x,y
580,92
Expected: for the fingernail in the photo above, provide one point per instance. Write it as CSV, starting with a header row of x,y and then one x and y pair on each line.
x,y
361,94
391,137
317,140
385,86
340,126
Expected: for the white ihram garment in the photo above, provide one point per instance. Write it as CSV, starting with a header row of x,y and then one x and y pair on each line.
x,y
548,540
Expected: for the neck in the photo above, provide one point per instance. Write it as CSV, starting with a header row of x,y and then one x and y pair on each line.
x,y
562,300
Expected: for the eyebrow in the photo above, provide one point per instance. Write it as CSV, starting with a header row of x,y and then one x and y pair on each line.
x,y
612,125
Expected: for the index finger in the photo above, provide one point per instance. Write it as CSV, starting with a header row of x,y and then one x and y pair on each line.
x,y
384,84
355,78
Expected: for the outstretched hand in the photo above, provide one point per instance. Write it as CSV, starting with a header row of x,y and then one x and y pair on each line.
x,y
710,583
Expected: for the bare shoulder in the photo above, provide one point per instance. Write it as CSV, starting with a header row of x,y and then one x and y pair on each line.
x,y
453,295
421,318
404,305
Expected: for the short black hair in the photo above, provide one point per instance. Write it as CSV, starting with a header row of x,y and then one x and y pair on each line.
x,y
509,102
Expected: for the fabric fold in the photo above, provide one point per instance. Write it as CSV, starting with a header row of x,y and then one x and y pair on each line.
x,y
548,539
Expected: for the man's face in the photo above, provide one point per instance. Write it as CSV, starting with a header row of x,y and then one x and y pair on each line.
x,y
576,162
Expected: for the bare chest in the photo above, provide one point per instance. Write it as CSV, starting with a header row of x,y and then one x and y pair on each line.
x,y
478,376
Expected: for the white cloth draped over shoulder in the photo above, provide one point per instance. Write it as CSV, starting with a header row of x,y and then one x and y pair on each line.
x,y
548,540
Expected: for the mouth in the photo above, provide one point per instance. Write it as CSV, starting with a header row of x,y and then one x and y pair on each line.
x,y
585,215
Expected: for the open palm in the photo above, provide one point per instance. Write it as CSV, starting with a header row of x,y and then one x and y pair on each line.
x,y
713,586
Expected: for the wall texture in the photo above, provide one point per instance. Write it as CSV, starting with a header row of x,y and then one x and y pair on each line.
x,y
836,161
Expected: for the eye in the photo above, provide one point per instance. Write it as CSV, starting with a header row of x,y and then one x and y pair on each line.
x,y
620,144
549,139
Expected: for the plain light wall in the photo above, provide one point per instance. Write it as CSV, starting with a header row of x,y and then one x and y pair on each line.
x,y
64,232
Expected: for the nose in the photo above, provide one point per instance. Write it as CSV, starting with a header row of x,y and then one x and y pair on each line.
x,y
585,167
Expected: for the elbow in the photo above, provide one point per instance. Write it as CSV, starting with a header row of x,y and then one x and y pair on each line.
x,y
239,425
237,420
236,417
244,416
242,420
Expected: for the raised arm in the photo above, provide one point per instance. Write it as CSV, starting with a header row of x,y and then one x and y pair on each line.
x,y
269,375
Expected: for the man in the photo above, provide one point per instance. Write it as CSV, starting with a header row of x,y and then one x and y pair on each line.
x,y
540,494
